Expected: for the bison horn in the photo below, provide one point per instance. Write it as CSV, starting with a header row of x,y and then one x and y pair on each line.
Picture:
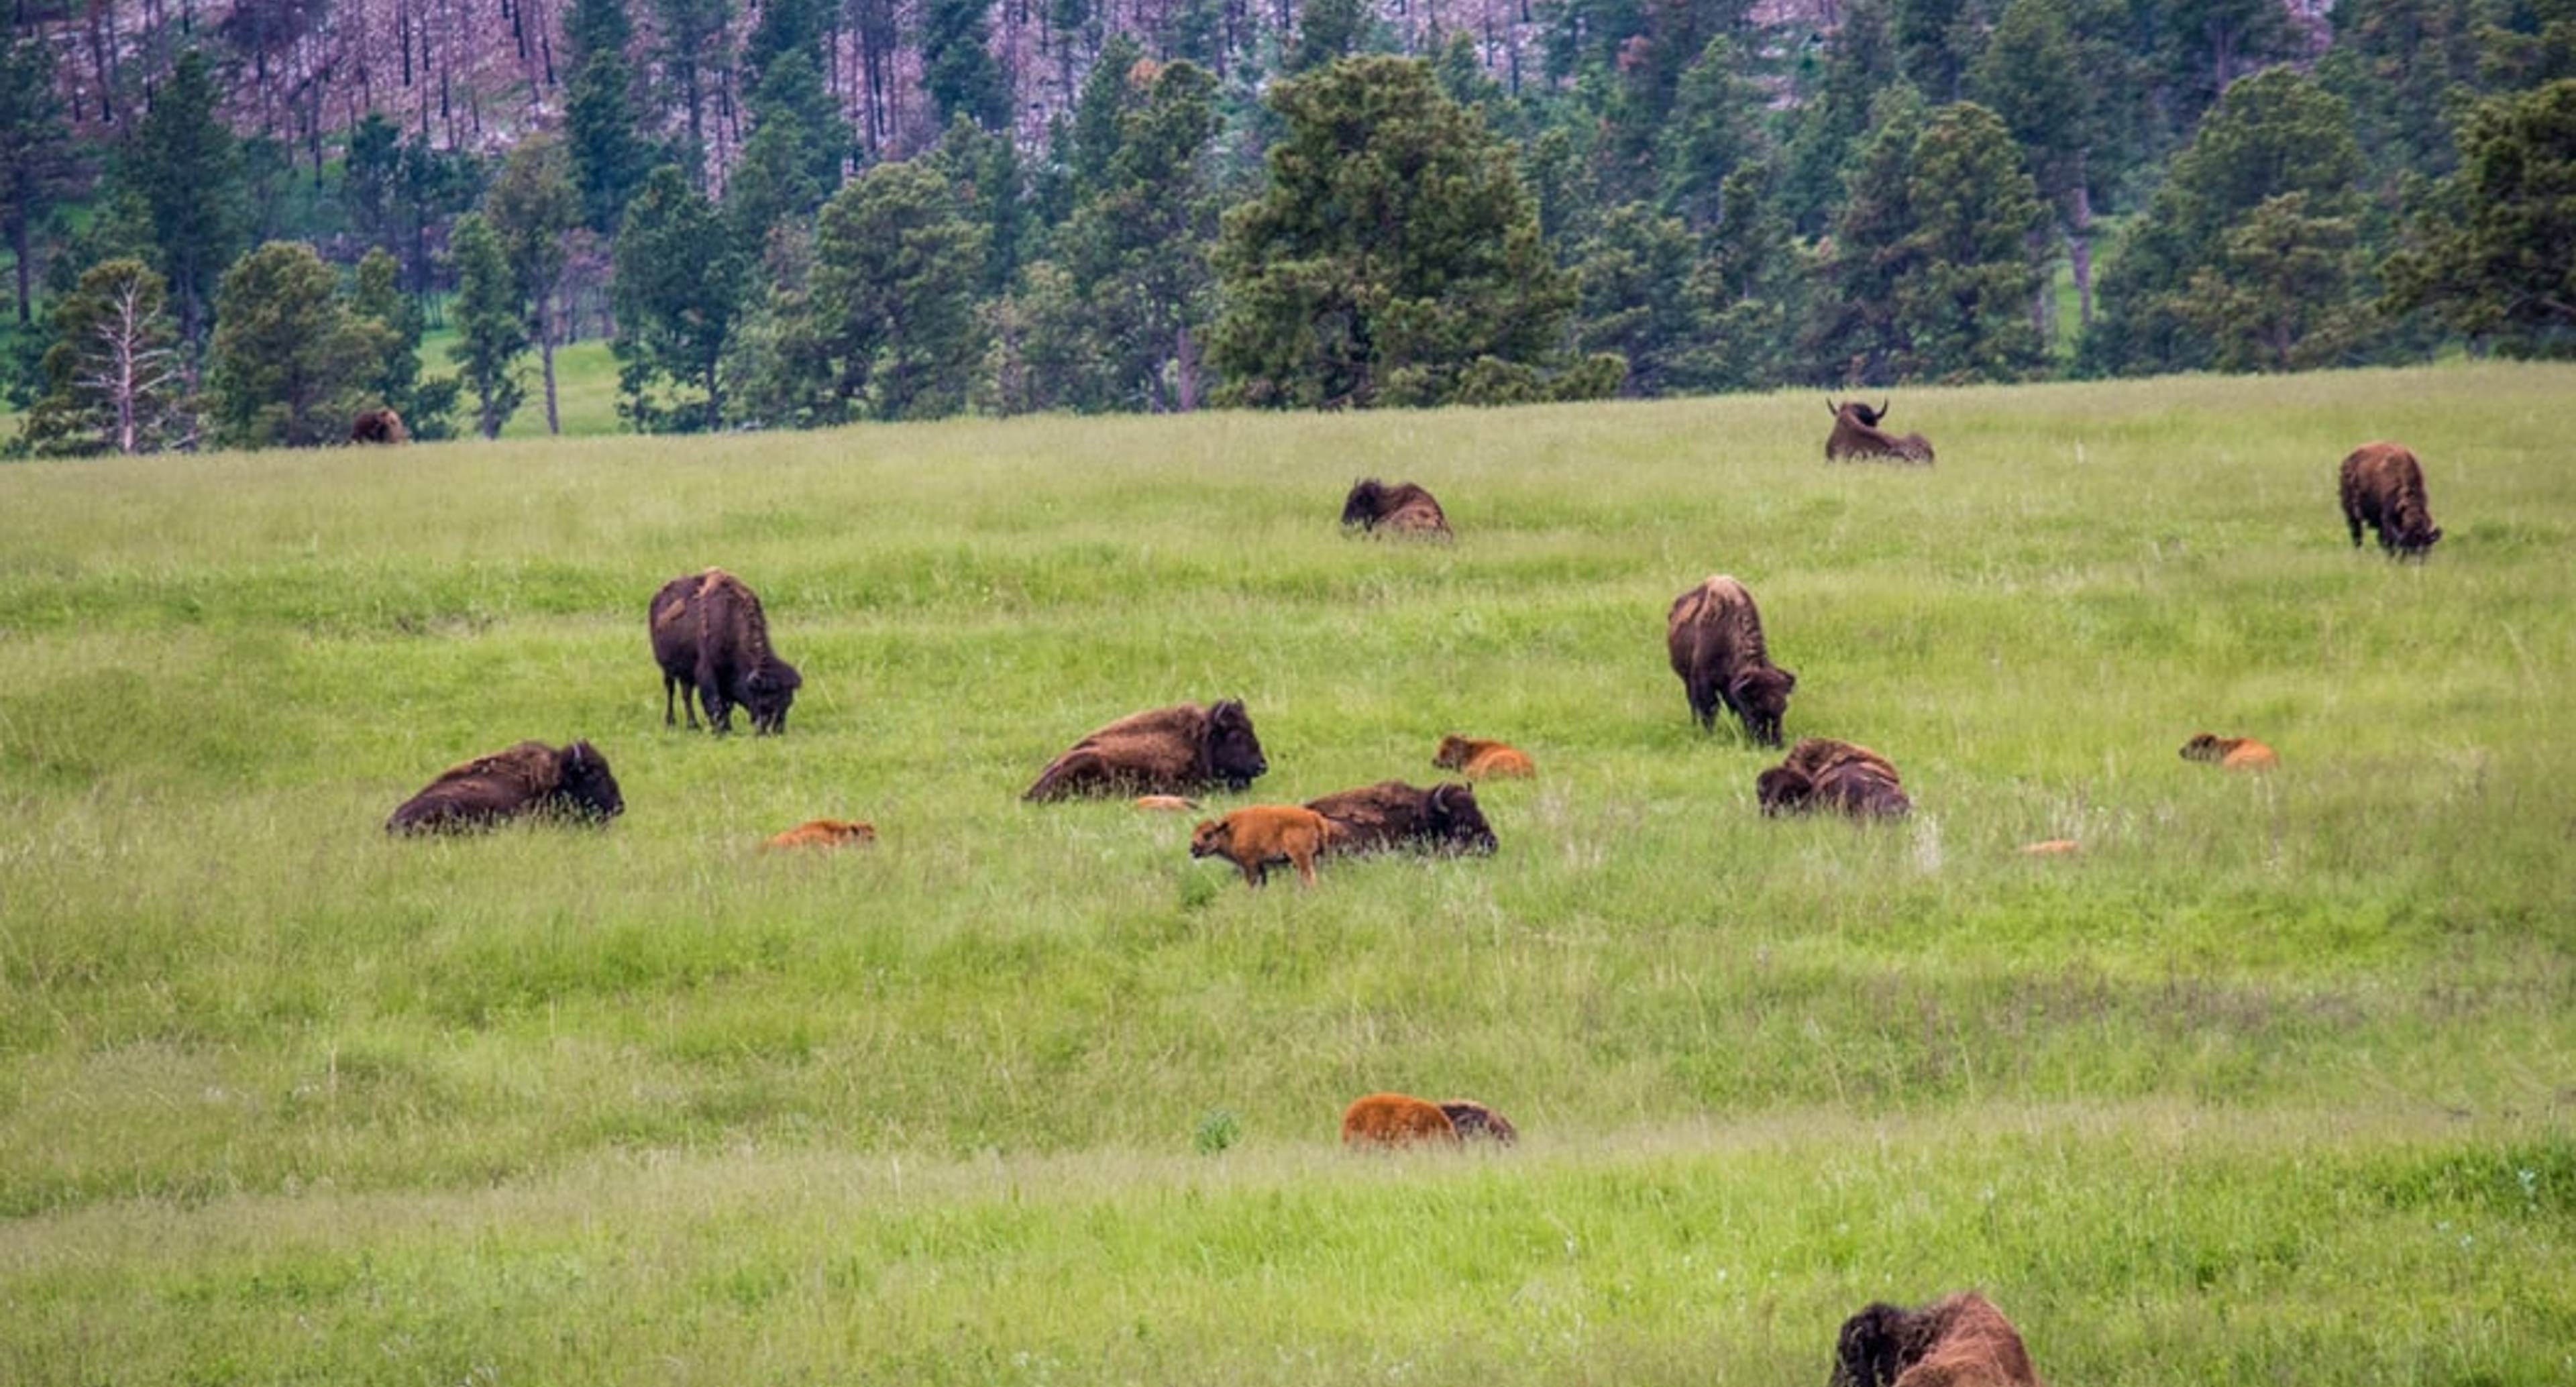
x,y
1882,409
1832,408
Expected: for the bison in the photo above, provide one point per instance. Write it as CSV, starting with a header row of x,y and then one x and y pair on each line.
x,y
1167,804
1476,758
570,782
1959,1340
1393,1119
1714,634
1258,837
1391,815
2383,484
2234,753
378,426
1857,435
1822,773
1403,509
1166,751
712,640
825,833
1475,1121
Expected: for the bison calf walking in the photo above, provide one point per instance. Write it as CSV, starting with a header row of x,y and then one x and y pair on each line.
x,y
712,640
1857,435
1959,1340
2383,484
531,778
1258,837
1714,634
1403,509
1162,751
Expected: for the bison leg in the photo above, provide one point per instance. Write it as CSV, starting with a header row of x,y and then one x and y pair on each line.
x,y
1305,866
2352,521
669,717
1256,873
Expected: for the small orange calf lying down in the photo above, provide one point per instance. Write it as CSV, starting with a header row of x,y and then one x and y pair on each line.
x,y
1477,758
1166,804
1396,1119
825,833
2234,753
1258,836
1960,1340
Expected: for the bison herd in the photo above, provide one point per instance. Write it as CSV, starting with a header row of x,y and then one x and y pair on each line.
x,y
711,640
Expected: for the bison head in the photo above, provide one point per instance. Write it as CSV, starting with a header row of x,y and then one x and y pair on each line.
x,y
585,786
1365,504
1869,1350
1782,790
1449,814
2203,747
1209,838
1452,754
1762,695
1233,753
768,691
2416,534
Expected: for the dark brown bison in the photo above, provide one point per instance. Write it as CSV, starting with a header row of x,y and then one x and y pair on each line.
x,y
2383,484
1822,773
1403,509
1162,751
1714,634
712,640
378,426
1959,1340
1391,815
1857,435
570,782
1475,1121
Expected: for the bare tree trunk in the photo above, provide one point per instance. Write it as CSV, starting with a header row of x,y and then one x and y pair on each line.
x,y
546,356
1186,376
2079,244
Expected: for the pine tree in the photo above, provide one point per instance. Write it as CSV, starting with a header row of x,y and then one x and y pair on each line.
x,y
370,178
1632,280
1714,127
897,269
957,67
1326,30
694,43
1137,248
678,288
491,325
187,166
1858,340
1859,66
2490,252
383,316
1748,293
2404,66
533,207
113,379
602,120
2032,75
291,365
1963,305
2278,295
35,154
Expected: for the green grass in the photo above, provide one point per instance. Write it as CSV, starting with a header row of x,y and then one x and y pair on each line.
x,y
585,389
2271,1083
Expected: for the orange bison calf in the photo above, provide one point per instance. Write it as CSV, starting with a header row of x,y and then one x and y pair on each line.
x,y
711,638
1822,773
1714,635
2234,753
825,833
1165,751
2383,484
1476,1122
1477,758
1393,1119
531,778
1167,804
1959,1340
1258,836
1403,509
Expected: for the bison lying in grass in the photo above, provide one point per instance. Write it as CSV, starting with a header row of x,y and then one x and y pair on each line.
x,y
1162,751
1402,509
711,638
1391,815
1714,635
2234,753
378,426
1477,758
570,782
2382,484
825,833
1822,773
1959,1340
1857,435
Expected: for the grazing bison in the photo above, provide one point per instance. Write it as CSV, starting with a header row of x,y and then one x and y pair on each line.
x,y
2234,753
1391,815
1259,836
2383,484
569,782
1403,509
1167,751
1714,634
1475,1121
1392,1119
825,833
1821,773
1477,758
378,426
1857,435
1959,1340
712,640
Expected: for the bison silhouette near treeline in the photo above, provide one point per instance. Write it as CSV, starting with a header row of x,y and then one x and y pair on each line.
x,y
1857,435
530,779
1401,509
378,426
1714,634
2383,485
1821,773
712,641
1391,816
1161,751
1960,1340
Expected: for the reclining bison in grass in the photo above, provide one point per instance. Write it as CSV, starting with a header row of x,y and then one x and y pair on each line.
x,y
378,426
530,779
1959,1340
1401,509
2383,486
1161,751
1820,773
712,641
1714,635
1857,435
1392,815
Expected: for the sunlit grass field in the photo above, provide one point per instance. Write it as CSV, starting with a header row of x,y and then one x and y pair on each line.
x,y
2275,1080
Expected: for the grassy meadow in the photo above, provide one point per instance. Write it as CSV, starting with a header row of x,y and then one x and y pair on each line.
x,y
2275,1080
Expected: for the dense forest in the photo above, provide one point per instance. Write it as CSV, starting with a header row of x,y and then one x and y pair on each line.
x,y
235,225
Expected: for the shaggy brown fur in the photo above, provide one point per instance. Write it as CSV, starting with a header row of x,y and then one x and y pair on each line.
x,y
1403,509
1822,773
1393,1119
1857,435
1165,751
378,426
570,782
1167,804
1392,814
2234,753
1477,758
712,640
1714,634
1475,1121
2383,484
1959,1340
825,833
1256,836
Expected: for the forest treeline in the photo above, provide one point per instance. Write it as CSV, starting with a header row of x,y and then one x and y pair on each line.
x,y
806,212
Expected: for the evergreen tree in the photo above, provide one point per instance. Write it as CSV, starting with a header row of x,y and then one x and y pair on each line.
x,y
602,120
291,365
1137,249
1715,125
1858,341
1748,293
1394,251
113,379
1643,83
2404,67
678,289
370,179
533,207
984,170
791,90
491,326
1327,30
2278,295
431,186
1963,305
1936,42
1041,356
957,68
2531,44
694,44
1099,112
383,316
897,269
35,154
1859,66
2032,75
2491,248
1632,282
187,166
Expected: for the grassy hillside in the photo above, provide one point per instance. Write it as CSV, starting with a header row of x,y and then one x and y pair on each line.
x,y
2276,1080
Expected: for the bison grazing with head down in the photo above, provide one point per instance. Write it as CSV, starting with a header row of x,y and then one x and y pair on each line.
x,y
1391,815
1822,773
1714,634
1403,509
1395,1119
2383,484
1959,1340
712,640
1162,751
1857,435
378,426
1475,1121
569,782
